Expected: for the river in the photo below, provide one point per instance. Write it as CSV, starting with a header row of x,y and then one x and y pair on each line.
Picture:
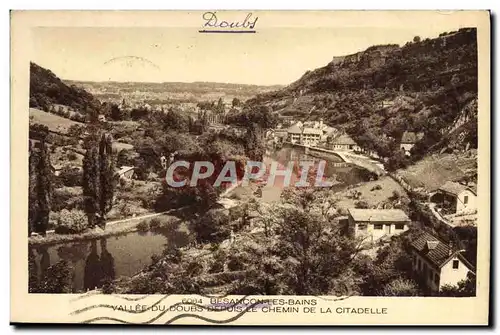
x,y
128,254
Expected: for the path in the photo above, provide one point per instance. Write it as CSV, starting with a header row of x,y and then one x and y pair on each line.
x,y
141,217
437,215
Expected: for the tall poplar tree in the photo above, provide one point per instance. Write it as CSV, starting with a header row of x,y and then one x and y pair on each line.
x,y
32,195
106,174
98,183
91,182
43,189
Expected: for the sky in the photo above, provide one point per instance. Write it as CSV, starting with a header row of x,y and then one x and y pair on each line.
x,y
273,55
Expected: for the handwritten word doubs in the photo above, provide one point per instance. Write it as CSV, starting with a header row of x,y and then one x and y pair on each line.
x,y
211,20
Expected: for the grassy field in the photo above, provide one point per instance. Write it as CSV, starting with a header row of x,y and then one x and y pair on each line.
x,y
432,172
52,121
369,193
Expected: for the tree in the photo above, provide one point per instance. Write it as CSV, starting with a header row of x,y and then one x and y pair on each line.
x,y
98,179
90,183
32,190
106,175
176,121
254,143
220,106
43,189
316,257
236,102
391,263
57,279
416,39
212,227
116,113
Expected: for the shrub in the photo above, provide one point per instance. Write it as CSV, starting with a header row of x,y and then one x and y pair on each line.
x,y
194,268
212,227
217,266
400,288
70,176
395,195
66,198
143,226
376,187
57,279
71,222
235,263
361,204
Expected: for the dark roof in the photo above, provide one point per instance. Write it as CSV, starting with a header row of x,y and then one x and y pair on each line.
x,y
436,251
344,139
378,215
455,188
411,137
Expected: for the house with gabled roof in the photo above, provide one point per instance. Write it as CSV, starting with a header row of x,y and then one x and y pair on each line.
x,y
125,172
294,133
455,197
408,141
436,263
374,224
344,142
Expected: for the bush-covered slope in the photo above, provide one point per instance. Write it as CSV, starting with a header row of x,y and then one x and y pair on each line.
x,y
376,95
47,89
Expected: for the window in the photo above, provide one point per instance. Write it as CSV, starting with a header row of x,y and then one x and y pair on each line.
x,y
419,264
436,279
466,200
362,226
400,226
431,275
377,226
455,264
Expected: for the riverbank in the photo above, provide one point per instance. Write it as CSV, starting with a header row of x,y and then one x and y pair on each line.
x,y
113,228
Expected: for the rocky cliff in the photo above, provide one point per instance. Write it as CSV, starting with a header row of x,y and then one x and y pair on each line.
x,y
378,94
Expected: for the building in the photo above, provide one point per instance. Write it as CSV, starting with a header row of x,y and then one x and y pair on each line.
x,y
125,172
386,103
311,136
280,135
344,142
455,197
436,263
376,223
408,141
294,133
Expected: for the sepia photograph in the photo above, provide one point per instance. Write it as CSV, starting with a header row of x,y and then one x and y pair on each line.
x,y
236,157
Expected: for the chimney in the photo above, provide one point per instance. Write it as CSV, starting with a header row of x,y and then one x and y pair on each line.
x,y
450,250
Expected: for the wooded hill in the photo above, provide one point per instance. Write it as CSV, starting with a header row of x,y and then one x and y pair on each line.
x,y
47,89
376,95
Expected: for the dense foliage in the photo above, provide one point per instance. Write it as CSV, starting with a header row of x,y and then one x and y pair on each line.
x,y
427,86
47,89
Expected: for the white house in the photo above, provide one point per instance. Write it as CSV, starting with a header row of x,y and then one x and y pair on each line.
x,y
408,141
294,133
344,142
436,263
125,172
457,197
376,223
311,136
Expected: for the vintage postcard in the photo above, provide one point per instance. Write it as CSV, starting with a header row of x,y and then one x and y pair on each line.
x,y
250,167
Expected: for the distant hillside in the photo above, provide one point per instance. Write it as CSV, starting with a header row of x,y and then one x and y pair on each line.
x,y
47,89
376,95
171,91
